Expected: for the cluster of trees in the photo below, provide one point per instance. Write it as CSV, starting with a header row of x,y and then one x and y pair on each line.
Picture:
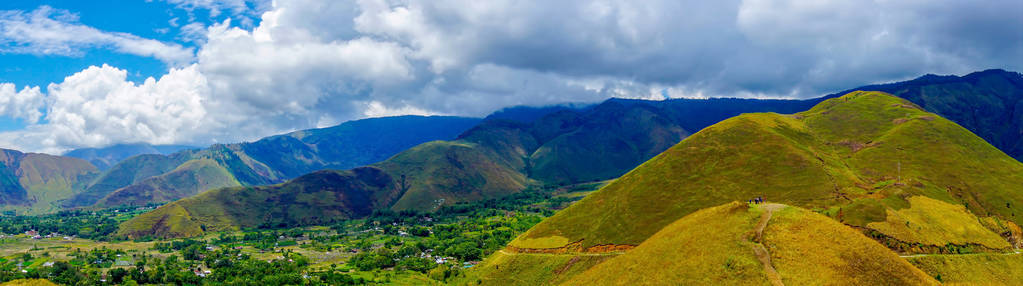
x,y
95,225
225,266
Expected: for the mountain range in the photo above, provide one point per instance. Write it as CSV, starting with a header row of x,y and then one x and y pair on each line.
x,y
566,145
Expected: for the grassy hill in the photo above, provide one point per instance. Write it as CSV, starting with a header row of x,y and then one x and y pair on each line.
x,y
130,171
801,247
186,180
855,157
985,102
316,198
37,183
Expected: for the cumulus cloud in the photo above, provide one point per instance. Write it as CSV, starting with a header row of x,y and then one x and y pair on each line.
x,y
25,104
310,63
98,106
49,31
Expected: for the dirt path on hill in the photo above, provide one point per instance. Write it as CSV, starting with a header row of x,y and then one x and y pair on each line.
x,y
758,247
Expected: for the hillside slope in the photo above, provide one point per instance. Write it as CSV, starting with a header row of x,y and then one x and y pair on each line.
x,y
859,158
751,245
36,183
316,198
989,103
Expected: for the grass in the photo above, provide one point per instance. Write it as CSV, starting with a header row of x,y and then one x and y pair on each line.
x,y
973,269
933,222
842,155
28,282
811,249
805,248
682,254
529,269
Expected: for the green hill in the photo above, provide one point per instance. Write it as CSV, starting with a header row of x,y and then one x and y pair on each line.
x,y
316,198
37,183
985,102
854,157
908,178
188,179
753,245
130,171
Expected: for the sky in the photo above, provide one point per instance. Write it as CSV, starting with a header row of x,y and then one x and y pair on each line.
x,y
94,73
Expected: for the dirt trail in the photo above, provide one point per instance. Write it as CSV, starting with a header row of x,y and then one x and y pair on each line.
x,y
758,247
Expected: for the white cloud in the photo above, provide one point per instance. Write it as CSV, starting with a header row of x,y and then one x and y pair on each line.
x,y
98,106
313,63
24,104
49,31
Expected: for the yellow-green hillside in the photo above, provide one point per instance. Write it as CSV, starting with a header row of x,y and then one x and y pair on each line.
x,y
858,158
715,246
973,269
29,282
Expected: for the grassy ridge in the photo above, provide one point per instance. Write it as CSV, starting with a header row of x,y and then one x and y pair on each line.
x,y
857,155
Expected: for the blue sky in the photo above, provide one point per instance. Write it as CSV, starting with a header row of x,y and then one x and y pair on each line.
x,y
146,19
93,73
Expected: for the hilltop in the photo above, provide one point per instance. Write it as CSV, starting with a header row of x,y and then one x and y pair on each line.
x,y
985,102
866,159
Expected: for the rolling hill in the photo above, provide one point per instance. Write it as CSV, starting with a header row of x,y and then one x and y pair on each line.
x,y
104,158
989,103
910,179
161,178
36,183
